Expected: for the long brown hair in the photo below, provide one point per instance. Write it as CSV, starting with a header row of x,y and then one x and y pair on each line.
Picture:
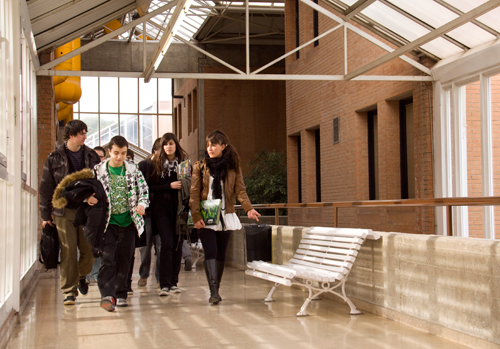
x,y
161,157
219,137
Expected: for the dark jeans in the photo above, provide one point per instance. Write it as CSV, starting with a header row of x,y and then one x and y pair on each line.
x,y
146,253
119,244
214,243
170,253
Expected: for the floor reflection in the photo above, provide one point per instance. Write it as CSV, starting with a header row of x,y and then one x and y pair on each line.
x,y
186,320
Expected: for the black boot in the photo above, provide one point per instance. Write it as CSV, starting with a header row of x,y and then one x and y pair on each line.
x,y
220,271
211,271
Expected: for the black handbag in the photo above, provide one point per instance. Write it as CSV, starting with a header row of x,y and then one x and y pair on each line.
x,y
49,247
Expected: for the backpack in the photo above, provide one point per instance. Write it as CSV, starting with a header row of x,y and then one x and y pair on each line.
x,y
49,247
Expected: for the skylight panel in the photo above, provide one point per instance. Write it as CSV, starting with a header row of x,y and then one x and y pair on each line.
x,y
466,5
349,2
491,19
442,48
427,11
394,21
471,35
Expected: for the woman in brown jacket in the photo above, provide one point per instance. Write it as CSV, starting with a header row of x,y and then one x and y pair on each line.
x,y
218,176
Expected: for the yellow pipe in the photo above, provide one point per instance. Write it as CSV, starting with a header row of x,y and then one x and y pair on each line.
x,y
67,89
112,26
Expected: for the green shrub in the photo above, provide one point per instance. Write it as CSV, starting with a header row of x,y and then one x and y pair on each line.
x,y
266,180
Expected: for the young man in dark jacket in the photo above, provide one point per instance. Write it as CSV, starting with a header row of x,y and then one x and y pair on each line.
x,y
72,156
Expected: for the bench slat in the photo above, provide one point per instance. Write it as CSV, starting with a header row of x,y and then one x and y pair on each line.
x,y
314,267
345,239
347,252
338,269
362,233
340,244
327,256
317,274
321,263
269,277
272,268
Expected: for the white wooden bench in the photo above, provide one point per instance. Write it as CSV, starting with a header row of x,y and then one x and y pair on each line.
x,y
321,263
197,251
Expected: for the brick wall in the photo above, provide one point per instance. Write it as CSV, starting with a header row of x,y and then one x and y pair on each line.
x,y
46,116
251,113
190,125
47,126
344,165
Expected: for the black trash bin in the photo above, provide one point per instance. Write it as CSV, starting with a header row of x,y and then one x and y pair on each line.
x,y
259,242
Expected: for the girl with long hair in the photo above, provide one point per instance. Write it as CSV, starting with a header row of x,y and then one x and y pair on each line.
x,y
218,176
165,189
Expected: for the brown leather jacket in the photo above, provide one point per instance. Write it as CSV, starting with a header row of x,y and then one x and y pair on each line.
x,y
234,187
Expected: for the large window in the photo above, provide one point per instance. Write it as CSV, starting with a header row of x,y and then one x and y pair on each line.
x,y
138,111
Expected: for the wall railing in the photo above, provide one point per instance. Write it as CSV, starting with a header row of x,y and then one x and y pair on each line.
x,y
433,202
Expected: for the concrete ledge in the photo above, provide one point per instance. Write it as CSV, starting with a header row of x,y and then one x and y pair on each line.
x,y
448,286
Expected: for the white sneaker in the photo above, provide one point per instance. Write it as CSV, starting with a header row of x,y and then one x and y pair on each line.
x,y
121,302
175,289
163,292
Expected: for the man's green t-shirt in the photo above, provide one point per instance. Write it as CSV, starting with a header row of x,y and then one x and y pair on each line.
x,y
120,212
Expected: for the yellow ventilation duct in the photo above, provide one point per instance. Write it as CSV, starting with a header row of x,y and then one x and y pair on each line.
x,y
67,88
112,26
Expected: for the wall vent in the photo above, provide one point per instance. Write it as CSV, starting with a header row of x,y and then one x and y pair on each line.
x,y
336,131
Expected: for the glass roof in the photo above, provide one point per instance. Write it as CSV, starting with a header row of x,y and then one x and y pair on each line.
x,y
401,20
409,20
198,13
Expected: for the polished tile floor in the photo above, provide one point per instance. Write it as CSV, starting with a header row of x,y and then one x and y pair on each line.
x,y
186,320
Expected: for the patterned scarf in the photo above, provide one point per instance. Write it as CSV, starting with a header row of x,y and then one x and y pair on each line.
x,y
168,167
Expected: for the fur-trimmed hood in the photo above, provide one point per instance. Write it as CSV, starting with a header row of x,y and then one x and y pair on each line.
x,y
60,202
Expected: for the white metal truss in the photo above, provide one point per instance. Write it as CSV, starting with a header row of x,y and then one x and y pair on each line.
x,y
181,8
165,22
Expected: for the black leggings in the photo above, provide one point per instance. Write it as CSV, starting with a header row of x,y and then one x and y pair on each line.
x,y
214,243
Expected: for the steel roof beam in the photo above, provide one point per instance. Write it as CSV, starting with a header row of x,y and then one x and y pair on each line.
x,y
475,21
181,8
221,76
46,39
106,37
365,35
424,24
457,22
28,33
356,8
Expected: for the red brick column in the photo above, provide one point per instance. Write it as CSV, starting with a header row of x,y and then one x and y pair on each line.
x,y
46,116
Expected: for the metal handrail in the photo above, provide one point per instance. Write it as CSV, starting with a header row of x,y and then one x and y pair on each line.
x,y
431,202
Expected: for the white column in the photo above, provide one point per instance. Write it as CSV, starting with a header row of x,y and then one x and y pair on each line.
x,y
442,153
15,154
487,156
458,117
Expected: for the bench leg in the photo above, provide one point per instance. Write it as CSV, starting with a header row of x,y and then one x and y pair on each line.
x,y
303,309
354,310
270,295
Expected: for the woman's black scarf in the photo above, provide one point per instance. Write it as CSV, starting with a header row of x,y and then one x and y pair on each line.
x,y
218,169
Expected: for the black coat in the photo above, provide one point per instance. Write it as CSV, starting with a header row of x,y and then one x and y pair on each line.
x,y
75,188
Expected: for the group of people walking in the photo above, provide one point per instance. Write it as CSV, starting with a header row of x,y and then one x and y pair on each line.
x,y
101,207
